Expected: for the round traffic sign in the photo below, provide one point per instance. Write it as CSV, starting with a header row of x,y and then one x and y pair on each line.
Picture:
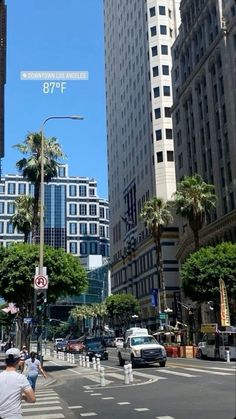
x,y
41,281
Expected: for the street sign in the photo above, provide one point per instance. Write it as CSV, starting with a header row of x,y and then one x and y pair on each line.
x,y
27,320
40,282
162,316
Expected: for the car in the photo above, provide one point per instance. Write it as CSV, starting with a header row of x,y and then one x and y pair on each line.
x,y
56,341
109,340
74,346
94,349
119,342
61,346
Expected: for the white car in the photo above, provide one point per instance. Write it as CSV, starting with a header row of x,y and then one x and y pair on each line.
x,y
119,342
57,340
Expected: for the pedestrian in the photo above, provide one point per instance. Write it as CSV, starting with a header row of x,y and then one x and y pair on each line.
x,y
13,387
24,354
33,366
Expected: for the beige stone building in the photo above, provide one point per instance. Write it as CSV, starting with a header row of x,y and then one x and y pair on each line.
x,y
204,110
138,39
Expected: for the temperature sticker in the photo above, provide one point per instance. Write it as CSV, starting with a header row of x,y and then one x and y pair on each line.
x,y
52,86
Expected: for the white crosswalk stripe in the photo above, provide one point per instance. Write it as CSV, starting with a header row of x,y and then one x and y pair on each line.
x,y
207,371
47,406
181,374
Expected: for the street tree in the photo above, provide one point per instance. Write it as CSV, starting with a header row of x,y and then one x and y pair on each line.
x,y
156,215
194,199
22,219
201,271
17,270
121,308
30,166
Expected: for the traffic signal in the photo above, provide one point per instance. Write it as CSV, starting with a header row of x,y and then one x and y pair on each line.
x,y
41,300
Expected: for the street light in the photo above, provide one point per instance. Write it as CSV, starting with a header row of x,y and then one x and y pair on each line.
x,y
41,243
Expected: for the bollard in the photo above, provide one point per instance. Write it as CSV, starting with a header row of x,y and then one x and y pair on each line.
x,y
63,356
83,360
130,372
87,362
54,354
94,363
227,355
70,357
67,357
126,374
73,359
80,360
102,376
98,364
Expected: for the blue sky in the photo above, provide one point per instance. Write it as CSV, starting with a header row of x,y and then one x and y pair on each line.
x,y
57,35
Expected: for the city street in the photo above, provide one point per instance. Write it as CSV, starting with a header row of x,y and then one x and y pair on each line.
x,y
184,389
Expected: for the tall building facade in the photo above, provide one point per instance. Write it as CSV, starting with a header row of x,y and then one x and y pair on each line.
x,y
2,73
204,110
138,39
76,219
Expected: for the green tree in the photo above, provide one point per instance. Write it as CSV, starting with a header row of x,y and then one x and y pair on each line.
x,y
194,199
81,313
120,308
30,166
156,215
22,219
17,270
201,271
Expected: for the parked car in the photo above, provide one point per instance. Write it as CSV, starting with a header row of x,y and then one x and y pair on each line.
x,y
74,346
119,342
56,341
109,340
61,346
94,349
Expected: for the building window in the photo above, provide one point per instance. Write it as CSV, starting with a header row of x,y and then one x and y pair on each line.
x,y
156,91
107,214
107,232
155,71
162,10
93,248
72,209
92,209
72,190
2,189
73,248
31,189
152,11
10,229
11,188
167,112
82,190
91,192
21,188
101,212
1,207
1,227
83,209
164,49
73,228
61,172
93,228
169,135
83,228
153,30
157,113
102,231
10,207
165,70
158,134
170,155
83,248
163,30
154,51
166,90
159,157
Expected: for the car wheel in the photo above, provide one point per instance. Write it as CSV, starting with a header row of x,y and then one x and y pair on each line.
x,y
162,363
121,361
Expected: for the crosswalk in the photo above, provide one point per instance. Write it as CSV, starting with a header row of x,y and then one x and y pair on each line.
x,y
47,406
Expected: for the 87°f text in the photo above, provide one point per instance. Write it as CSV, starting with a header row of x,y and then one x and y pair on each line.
x,y
53,86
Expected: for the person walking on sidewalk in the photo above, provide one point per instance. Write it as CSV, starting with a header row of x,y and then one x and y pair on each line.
x,y
13,387
33,366
24,354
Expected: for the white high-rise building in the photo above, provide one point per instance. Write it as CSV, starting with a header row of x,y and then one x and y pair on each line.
x,y
138,39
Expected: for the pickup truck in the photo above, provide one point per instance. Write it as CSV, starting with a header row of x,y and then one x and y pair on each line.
x,y
142,349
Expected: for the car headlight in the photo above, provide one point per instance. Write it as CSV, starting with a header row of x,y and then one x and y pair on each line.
x,y
137,352
163,352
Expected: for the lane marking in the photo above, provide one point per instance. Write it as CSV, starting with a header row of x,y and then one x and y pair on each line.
x,y
123,403
164,417
88,414
141,374
108,398
41,409
75,407
208,371
49,416
141,409
181,374
96,394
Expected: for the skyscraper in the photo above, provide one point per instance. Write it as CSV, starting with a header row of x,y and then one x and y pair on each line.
x,y
2,72
204,109
138,39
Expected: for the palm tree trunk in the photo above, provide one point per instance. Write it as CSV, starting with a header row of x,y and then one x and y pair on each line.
x,y
196,239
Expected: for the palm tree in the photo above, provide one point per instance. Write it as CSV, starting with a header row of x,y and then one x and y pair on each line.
x,y
30,166
23,217
194,199
156,215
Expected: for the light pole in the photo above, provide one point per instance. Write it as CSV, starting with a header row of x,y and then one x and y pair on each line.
x,y
41,230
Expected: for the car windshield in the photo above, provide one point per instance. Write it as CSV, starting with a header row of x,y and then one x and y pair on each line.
x,y
142,340
94,346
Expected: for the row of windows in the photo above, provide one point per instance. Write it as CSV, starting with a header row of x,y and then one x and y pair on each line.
x,y
163,30
164,50
168,132
165,70
169,156
13,190
92,228
92,248
156,91
161,11
158,113
84,209
10,206
73,190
